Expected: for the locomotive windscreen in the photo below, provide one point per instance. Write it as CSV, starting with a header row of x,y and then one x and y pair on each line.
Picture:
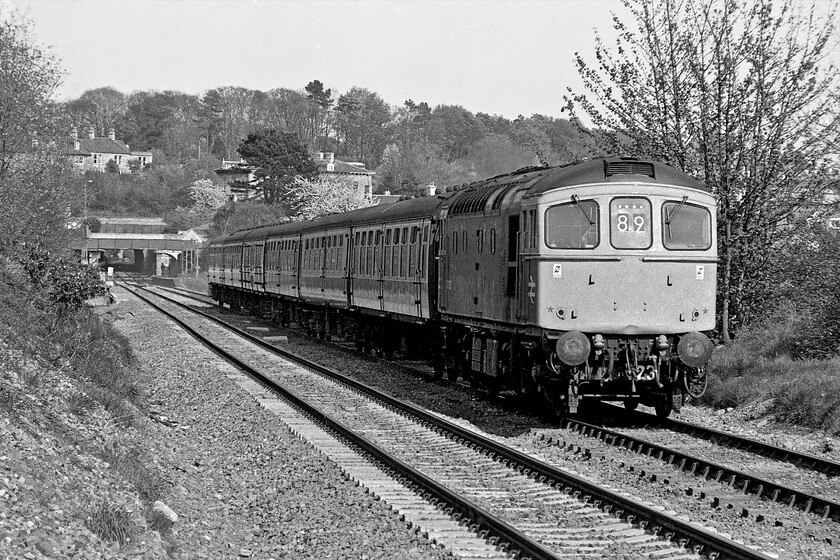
x,y
686,226
573,225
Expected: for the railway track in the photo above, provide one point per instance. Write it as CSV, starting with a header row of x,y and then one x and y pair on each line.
x,y
704,467
518,502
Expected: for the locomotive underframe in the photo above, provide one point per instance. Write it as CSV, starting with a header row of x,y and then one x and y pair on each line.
x,y
634,370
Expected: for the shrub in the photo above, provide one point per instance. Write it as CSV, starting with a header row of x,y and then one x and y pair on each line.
x,y
760,366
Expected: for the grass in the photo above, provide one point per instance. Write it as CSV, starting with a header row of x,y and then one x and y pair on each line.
x,y
758,368
111,522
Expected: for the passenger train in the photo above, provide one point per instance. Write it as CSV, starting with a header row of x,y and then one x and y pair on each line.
x,y
588,281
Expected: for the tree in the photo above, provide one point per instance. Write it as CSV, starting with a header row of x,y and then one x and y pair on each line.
x,y
320,102
320,196
228,117
277,158
362,118
234,216
33,170
103,108
207,198
743,97
167,121
453,129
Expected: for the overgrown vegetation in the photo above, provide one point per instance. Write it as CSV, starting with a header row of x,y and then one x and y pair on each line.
x,y
758,368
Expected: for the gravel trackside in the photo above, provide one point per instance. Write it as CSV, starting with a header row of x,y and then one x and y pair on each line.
x,y
241,483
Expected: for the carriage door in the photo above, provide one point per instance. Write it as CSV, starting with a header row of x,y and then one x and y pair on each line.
x,y
419,242
378,266
442,262
526,289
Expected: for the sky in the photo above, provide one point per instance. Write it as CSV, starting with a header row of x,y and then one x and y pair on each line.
x,y
492,56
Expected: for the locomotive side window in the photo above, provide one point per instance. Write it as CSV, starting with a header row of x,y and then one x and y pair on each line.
x,y
630,223
573,225
686,227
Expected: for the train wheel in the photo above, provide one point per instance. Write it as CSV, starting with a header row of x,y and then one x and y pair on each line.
x,y
663,406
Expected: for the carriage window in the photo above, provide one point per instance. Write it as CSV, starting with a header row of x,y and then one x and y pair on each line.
x,y
492,241
364,238
404,235
479,234
630,223
388,237
378,236
414,234
685,226
573,225
396,236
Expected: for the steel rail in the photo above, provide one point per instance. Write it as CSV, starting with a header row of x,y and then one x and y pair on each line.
x,y
802,460
485,521
746,483
659,522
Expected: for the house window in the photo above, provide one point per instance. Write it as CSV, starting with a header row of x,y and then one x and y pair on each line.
x,y
97,158
80,160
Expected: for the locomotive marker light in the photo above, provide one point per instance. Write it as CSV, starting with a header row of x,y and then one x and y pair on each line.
x,y
694,349
573,348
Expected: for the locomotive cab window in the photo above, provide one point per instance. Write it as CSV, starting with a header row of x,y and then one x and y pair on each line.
x,y
686,227
573,225
630,223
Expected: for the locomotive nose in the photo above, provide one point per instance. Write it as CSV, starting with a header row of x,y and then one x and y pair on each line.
x,y
694,349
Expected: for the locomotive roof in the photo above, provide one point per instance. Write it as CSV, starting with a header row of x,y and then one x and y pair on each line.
x,y
614,170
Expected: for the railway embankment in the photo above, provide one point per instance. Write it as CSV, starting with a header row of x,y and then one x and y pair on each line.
x,y
158,455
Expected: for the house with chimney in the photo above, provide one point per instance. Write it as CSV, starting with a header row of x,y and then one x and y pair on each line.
x,y
93,153
350,171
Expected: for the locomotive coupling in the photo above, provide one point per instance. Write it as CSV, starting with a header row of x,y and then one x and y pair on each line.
x,y
694,349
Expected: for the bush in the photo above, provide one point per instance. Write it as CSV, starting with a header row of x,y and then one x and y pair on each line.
x,y
760,367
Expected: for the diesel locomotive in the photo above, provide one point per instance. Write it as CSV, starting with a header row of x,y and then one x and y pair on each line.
x,y
588,281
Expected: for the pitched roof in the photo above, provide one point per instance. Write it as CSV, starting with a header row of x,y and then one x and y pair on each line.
x,y
104,146
341,167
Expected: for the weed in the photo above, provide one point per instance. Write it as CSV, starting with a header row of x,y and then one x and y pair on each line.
x,y
128,463
111,522
81,402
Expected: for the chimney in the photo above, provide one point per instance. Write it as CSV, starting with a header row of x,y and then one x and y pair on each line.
x,y
90,133
431,189
74,134
112,135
